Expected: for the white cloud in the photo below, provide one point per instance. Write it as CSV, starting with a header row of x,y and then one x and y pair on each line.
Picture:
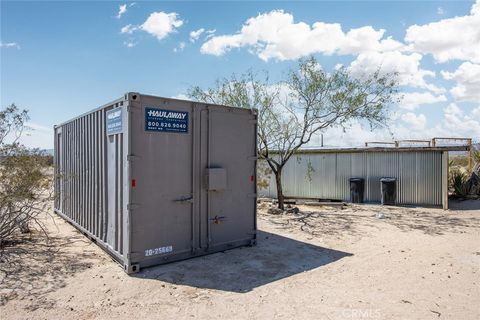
x,y
457,123
411,100
210,33
455,38
194,35
416,121
467,77
128,29
440,11
407,66
180,47
454,123
9,45
476,113
129,44
275,35
121,10
161,24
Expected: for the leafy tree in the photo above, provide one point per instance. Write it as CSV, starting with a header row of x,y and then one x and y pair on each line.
x,y
24,178
309,101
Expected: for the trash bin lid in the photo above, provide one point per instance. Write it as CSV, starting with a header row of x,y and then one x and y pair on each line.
x,y
388,179
356,179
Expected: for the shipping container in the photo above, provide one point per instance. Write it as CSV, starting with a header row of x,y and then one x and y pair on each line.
x,y
154,180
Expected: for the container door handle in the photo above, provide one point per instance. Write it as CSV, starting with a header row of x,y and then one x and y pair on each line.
x,y
185,199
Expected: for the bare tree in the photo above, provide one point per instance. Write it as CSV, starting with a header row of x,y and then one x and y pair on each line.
x,y
24,179
309,101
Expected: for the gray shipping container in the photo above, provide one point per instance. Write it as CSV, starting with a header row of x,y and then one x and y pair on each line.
x,y
154,180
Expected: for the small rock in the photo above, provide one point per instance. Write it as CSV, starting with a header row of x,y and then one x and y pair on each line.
x,y
293,210
274,211
380,215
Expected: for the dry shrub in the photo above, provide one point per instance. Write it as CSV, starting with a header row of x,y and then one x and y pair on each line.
x,y
25,182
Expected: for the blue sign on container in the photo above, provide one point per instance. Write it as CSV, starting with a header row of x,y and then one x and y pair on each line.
x,y
166,120
114,121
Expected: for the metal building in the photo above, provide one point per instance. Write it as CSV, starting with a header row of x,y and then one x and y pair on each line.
x,y
421,174
154,180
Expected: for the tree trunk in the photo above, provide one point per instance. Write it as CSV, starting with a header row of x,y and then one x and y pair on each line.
x,y
280,197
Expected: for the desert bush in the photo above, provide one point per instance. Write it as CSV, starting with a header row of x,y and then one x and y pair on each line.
x,y
476,161
458,183
25,182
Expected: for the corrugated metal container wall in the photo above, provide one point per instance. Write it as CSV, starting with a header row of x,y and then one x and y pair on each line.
x,y
154,180
326,175
90,187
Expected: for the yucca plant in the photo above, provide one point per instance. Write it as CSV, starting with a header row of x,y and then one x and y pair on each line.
x,y
476,161
459,183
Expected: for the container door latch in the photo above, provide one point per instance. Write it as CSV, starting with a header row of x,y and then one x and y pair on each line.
x,y
217,219
188,199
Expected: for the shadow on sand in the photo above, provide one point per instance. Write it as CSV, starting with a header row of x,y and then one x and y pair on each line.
x,y
35,266
462,205
243,269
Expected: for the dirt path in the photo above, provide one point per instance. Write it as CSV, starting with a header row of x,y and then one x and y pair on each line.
x,y
324,263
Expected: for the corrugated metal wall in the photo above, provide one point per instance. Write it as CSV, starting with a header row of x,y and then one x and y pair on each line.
x,y
90,177
326,175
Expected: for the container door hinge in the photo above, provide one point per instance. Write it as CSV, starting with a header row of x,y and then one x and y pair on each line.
x,y
132,206
131,157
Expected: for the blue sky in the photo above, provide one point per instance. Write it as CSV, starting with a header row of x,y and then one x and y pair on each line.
x,y
60,59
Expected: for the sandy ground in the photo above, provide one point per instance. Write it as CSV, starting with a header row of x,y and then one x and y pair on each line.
x,y
323,263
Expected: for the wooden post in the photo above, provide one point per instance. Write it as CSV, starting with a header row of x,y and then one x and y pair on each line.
x,y
445,180
470,155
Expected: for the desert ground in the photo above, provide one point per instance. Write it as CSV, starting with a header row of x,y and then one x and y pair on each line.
x,y
342,262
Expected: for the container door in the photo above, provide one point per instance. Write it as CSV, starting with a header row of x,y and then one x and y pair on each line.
x,y
229,176
161,179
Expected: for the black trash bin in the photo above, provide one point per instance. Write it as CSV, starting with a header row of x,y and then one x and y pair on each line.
x,y
389,190
357,185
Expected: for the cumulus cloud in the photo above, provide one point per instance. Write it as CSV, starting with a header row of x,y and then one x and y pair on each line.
x,y
275,35
455,38
158,24
9,45
194,35
454,122
407,66
457,123
161,24
476,113
411,100
415,121
467,77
